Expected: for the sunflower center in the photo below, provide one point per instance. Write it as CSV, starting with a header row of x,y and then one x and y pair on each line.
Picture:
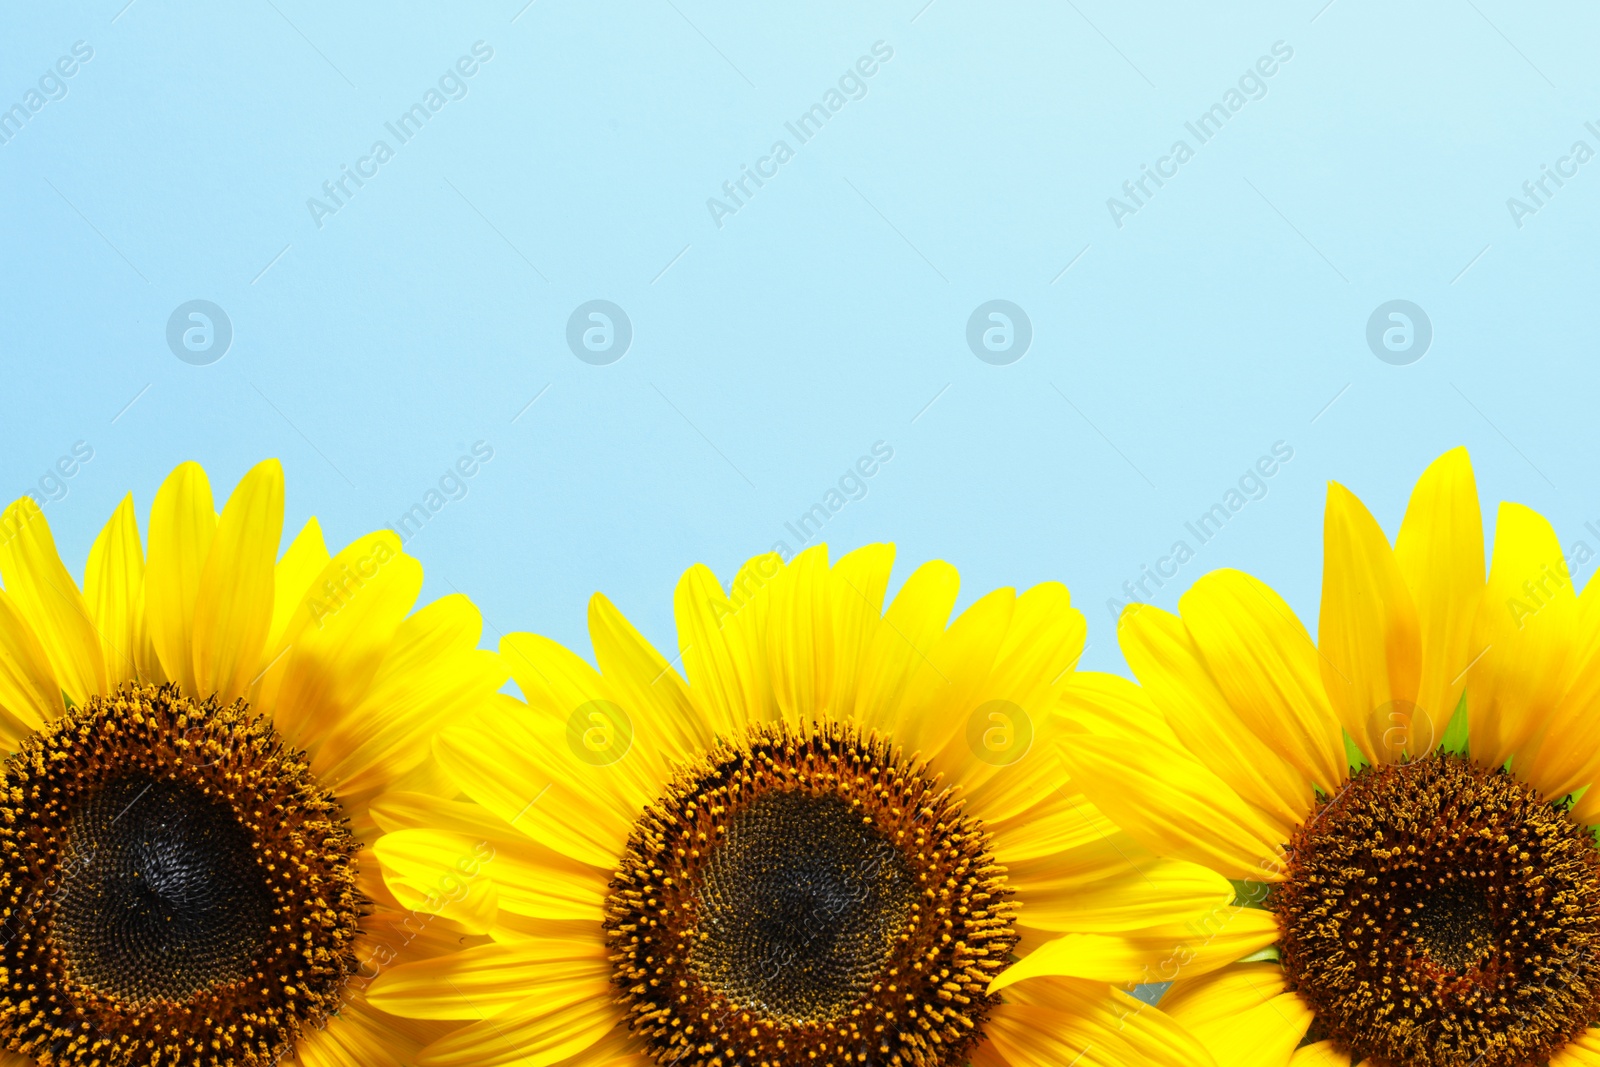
x,y
165,899
1439,914
174,885
800,933
808,896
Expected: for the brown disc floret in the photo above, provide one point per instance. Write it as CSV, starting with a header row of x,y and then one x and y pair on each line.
x,y
175,887
1438,913
808,896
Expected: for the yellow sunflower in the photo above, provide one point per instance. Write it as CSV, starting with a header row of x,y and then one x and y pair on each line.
x,y
1407,798
827,846
193,741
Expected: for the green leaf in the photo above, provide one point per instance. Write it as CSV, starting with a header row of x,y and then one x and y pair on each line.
x,y
1268,953
1455,735
1248,894
1352,754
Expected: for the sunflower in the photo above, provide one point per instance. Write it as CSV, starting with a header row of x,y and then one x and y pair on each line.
x,y
828,846
193,743
1407,798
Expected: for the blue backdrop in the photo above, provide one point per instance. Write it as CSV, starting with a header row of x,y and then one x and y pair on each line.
x,y
1029,287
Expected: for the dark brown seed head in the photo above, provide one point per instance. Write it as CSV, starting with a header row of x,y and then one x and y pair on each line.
x,y
175,888
1442,914
808,897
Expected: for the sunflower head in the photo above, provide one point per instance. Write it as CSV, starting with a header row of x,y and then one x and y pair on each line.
x,y
827,842
191,744
1408,797
172,877
891,920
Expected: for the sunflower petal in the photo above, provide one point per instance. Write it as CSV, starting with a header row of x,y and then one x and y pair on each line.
x,y
643,679
233,607
1267,667
1127,760
45,593
720,663
509,764
1050,1022
183,523
29,695
1525,625
1369,638
113,586
910,630
800,636
302,562
1171,669
1114,886
860,581
1440,553
338,637
483,981
1582,1051
433,674
539,1031
356,1039
1153,953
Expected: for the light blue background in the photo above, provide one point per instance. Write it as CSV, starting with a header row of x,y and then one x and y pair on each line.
x,y
830,312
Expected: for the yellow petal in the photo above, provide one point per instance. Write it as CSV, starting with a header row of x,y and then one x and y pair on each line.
x,y
233,608
335,642
301,564
951,686
113,586
592,740
1060,819
1001,733
1242,1014
1224,994
1320,1054
433,676
355,1038
510,766
29,695
1112,886
719,660
800,636
1043,642
1525,625
438,871
532,880
539,1031
183,523
1582,1051
1127,760
1369,638
901,646
482,981
860,581
1055,1022
1440,553
644,680
1266,666
45,593
1160,953
1173,673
